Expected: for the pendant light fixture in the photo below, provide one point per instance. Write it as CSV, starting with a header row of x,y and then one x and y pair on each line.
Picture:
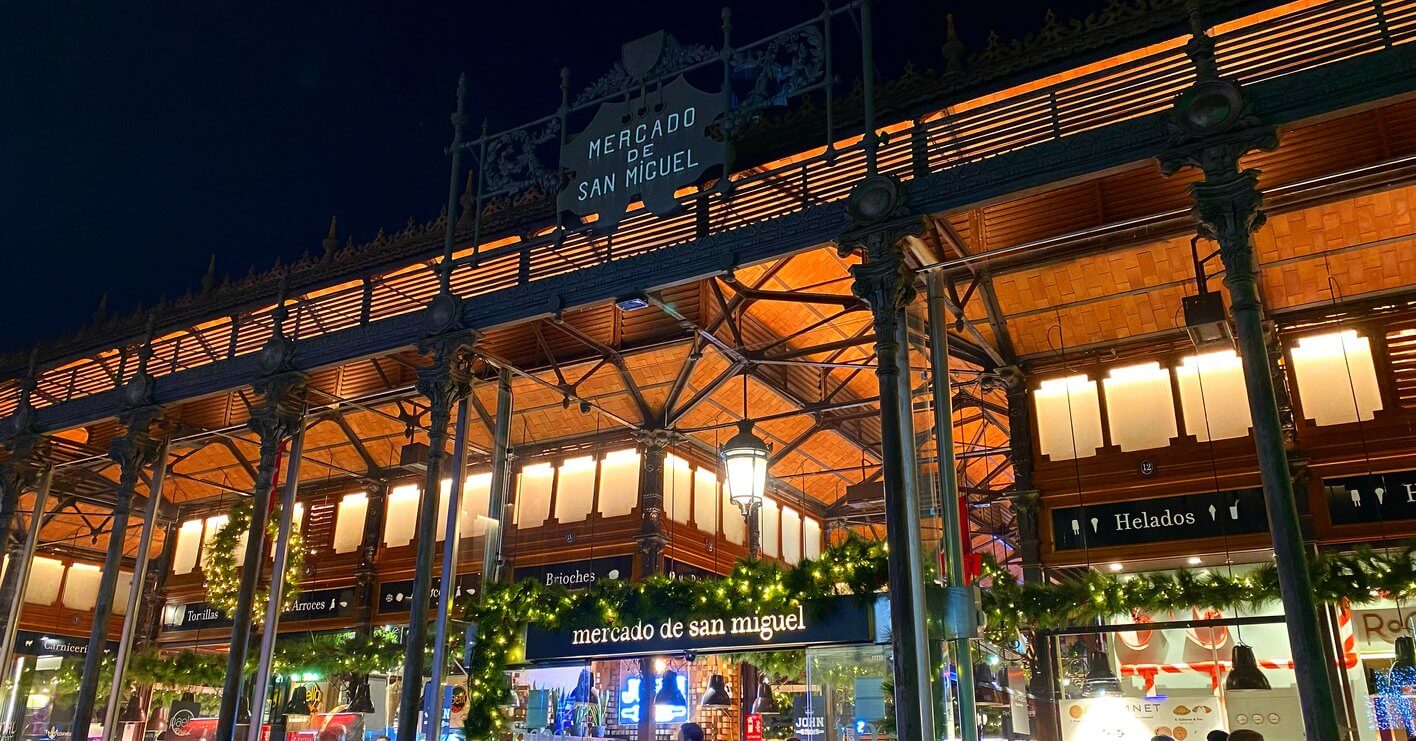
x,y
669,694
745,460
1100,681
716,696
1245,673
299,703
360,700
766,702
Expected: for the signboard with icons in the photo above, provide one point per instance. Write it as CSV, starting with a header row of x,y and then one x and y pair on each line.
x,y
28,643
1385,496
317,604
1275,713
1158,520
577,574
397,596
1180,716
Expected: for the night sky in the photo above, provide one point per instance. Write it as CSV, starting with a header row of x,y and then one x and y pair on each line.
x,y
139,138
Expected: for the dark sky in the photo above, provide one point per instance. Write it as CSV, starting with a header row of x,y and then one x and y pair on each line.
x,y
138,138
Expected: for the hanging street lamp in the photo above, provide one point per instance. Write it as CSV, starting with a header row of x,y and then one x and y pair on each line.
x,y
745,458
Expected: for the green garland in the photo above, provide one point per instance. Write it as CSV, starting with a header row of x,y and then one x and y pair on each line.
x,y
329,655
223,574
505,610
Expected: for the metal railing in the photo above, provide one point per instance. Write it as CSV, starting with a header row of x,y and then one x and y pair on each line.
x,y
1125,87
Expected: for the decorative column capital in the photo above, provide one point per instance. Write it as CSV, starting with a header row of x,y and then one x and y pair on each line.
x,y
448,379
656,440
880,218
282,406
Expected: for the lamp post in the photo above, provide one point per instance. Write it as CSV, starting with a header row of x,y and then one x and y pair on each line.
x,y
745,459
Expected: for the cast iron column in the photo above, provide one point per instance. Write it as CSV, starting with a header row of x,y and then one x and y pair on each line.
x,y
132,451
653,447
499,504
887,284
276,417
16,474
1213,126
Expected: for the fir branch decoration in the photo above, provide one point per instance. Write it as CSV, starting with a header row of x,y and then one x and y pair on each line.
x,y
223,572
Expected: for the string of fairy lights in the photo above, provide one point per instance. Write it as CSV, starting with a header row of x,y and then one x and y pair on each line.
x,y
222,569
854,566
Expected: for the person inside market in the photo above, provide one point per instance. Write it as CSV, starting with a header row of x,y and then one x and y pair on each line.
x,y
1162,737
1217,735
1245,734
690,732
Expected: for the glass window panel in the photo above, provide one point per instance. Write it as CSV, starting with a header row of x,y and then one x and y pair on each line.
x,y
189,543
619,483
476,496
349,519
1337,380
770,515
1212,397
791,535
401,518
575,490
678,489
122,589
533,495
811,537
1140,408
705,500
46,574
734,526
212,525
1068,417
81,586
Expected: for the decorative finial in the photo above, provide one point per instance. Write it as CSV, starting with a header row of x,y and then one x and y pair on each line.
x,y
279,313
331,241
145,350
1200,47
209,278
953,49
101,313
468,201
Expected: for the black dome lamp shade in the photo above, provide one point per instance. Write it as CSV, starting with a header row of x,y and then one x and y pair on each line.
x,y
1246,675
766,702
716,695
669,695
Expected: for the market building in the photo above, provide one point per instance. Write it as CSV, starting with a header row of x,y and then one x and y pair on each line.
x,y
748,394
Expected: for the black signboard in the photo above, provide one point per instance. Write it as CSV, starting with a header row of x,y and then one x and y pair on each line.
x,y
834,621
808,715
397,596
681,570
1159,520
318,604
646,148
1375,498
577,574
28,643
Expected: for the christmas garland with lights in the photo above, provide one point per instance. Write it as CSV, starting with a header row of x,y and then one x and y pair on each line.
x,y
326,655
853,567
223,571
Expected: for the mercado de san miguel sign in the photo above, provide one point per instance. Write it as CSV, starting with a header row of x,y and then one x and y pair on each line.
x,y
1384,496
1158,520
834,621
645,147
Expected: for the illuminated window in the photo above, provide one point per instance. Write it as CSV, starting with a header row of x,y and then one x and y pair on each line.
x,y
533,495
791,535
619,483
349,519
575,489
811,538
476,496
401,516
678,489
121,591
214,524
1140,408
770,514
1068,418
1337,380
705,500
734,526
81,586
1212,396
189,543
46,574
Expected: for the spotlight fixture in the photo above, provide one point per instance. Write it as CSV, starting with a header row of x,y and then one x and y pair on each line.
x,y
717,694
632,302
766,702
1245,673
1100,681
669,695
